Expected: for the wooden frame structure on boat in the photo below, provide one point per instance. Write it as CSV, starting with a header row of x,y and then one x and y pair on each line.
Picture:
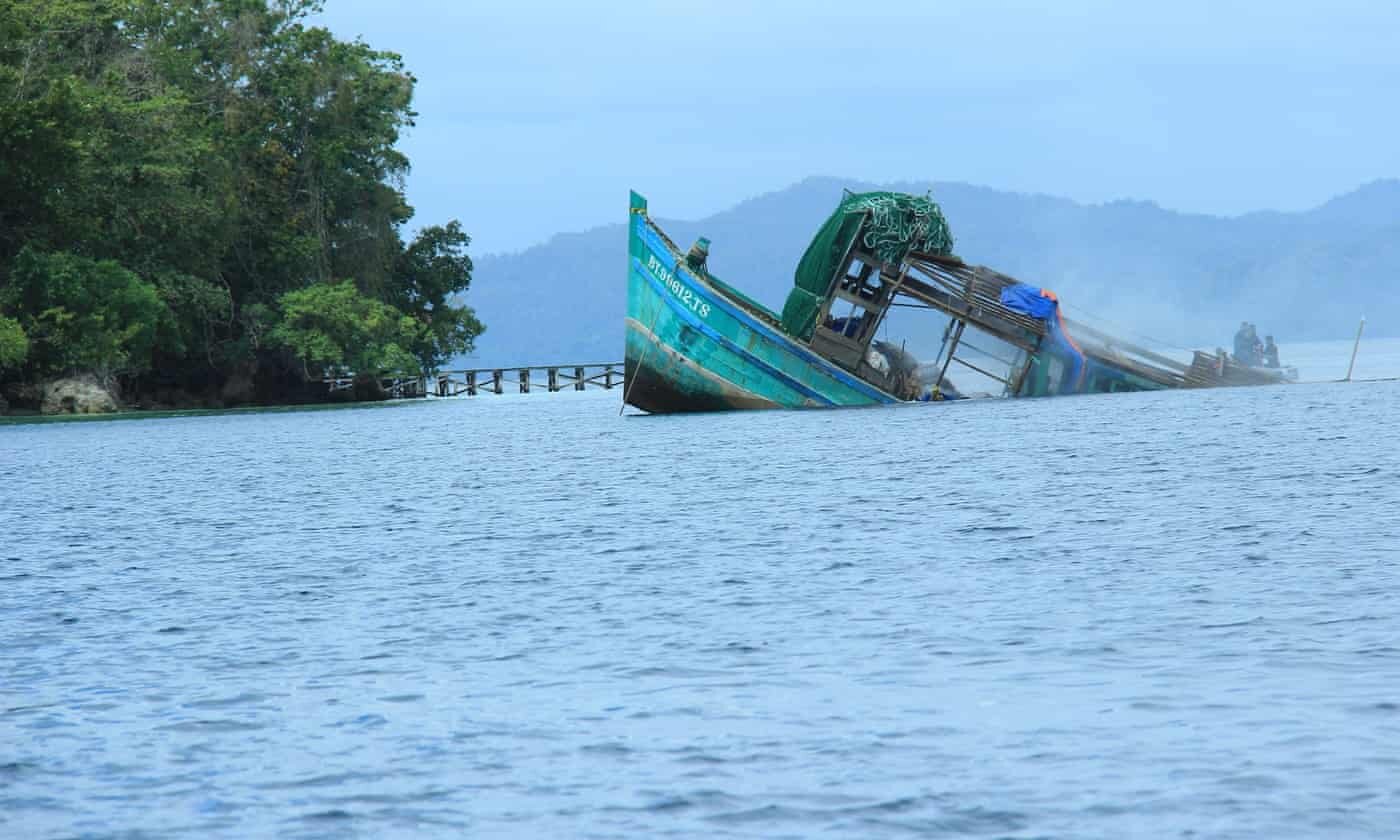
x,y
970,297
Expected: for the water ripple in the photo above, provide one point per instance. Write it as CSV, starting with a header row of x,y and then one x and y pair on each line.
x,y
1137,615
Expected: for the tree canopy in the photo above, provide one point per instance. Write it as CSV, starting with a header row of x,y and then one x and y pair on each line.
x,y
187,180
333,324
83,314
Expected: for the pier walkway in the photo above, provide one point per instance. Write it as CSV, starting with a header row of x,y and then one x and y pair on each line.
x,y
474,381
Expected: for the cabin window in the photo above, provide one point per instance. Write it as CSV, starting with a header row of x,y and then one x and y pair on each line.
x,y
847,320
862,280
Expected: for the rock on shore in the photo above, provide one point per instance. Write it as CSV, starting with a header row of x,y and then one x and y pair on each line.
x,y
81,394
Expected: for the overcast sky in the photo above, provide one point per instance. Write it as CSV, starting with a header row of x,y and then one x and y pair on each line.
x,y
537,117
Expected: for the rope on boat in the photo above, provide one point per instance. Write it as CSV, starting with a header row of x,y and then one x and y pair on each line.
x,y
1119,328
651,339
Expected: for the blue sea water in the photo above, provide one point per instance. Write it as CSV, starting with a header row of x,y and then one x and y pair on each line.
x,y
1137,615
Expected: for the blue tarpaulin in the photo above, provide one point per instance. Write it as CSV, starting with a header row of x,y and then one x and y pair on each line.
x,y
1044,306
1028,300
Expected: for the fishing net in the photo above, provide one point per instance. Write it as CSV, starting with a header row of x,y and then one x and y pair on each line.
x,y
888,224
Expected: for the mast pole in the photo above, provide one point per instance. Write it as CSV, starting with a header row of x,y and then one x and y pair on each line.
x,y
1354,347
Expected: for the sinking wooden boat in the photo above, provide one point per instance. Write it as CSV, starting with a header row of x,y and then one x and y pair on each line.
x,y
694,343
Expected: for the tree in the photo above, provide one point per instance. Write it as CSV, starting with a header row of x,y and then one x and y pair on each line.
x,y
14,344
82,314
428,275
226,154
333,326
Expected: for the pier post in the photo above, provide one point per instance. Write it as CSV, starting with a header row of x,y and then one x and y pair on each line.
x,y
607,377
524,380
471,383
496,378
579,382
553,380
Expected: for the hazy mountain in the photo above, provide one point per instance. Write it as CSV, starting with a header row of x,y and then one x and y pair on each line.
x,y
1182,278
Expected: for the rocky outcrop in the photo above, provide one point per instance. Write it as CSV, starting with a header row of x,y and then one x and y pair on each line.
x,y
81,394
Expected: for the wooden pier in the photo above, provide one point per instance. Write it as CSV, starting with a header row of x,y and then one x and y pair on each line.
x,y
474,381
453,383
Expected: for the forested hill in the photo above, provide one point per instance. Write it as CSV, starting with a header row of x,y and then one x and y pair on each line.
x,y
203,204
1183,278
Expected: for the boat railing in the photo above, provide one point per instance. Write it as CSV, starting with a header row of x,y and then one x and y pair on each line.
x,y
732,294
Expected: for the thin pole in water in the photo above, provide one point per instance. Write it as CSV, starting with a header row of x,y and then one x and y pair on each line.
x,y
1354,348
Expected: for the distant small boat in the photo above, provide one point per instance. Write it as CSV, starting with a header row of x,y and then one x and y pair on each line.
x,y
694,343
1222,369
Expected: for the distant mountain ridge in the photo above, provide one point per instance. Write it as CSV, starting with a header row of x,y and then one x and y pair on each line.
x,y
1186,279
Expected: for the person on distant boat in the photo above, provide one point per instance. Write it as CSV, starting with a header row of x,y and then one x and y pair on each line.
x,y
1249,350
1270,352
1242,343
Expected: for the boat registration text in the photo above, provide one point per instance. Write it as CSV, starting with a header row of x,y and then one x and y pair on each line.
x,y
680,290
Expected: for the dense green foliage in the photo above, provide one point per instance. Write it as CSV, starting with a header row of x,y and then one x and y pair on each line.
x,y
83,314
14,344
332,324
189,185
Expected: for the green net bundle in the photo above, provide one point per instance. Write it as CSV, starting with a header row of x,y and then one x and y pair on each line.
x,y
889,225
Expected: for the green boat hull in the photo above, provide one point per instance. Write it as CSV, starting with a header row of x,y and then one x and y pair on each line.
x,y
695,345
